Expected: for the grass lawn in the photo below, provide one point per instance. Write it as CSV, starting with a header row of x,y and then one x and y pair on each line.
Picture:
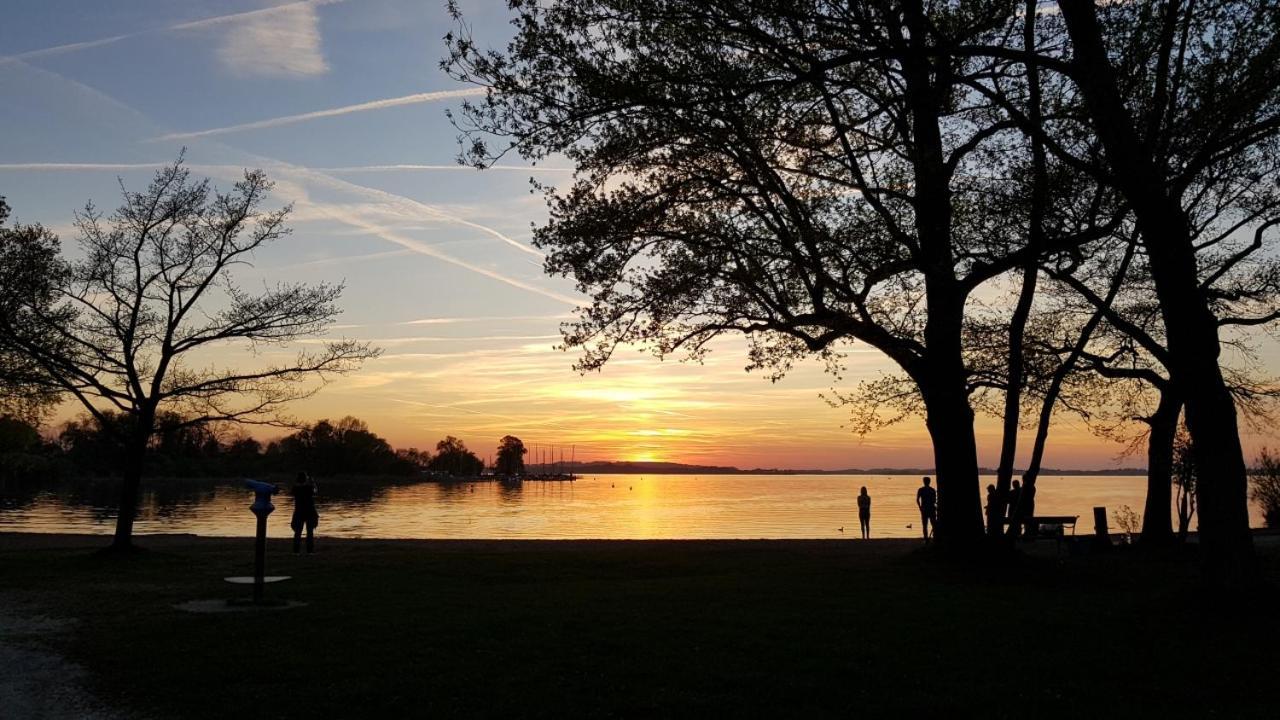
x,y
649,629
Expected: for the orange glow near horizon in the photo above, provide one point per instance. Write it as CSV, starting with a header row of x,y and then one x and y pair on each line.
x,y
640,409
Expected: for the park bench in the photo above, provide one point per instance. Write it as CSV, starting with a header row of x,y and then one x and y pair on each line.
x,y
1049,526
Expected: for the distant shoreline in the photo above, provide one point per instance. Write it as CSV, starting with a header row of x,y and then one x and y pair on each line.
x,y
656,468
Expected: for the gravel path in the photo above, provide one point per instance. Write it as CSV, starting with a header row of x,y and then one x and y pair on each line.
x,y
36,683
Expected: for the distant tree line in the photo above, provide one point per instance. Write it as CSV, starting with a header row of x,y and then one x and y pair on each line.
x,y
91,447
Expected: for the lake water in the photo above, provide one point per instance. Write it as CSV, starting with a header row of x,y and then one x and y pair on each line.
x,y
604,506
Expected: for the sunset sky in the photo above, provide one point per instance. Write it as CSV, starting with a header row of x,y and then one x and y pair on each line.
x,y
342,103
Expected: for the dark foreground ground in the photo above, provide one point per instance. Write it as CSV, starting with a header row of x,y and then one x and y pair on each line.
x,y
648,629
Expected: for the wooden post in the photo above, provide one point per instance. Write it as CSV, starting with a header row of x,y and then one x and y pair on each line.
x,y
1100,526
260,559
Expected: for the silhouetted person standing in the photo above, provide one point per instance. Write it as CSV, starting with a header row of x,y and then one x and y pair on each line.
x,y
304,512
927,501
1015,497
1027,505
864,513
993,515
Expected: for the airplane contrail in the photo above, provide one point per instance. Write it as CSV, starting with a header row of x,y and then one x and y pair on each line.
x,y
189,25
413,99
425,249
482,318
118,167
410,205
346,218
409,167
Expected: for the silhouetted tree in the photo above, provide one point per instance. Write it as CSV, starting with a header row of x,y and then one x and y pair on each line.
x,y
1265,478
453,457
1131,347
30,270
241,453
808,174
414,458
1183,473
17,436
23,453
1173,89
511,454
128,322
344,447
94,444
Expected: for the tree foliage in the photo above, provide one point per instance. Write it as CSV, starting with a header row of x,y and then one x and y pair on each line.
x,y
31,269
453,457
344,447
808,174
510,458
1265,479
1184,481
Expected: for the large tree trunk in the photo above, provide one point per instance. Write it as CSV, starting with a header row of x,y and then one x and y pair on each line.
x,y
955,456
1190,326
134,460
944,379
1222,486
1012,401
1026,295
130,484
949,417
1157,523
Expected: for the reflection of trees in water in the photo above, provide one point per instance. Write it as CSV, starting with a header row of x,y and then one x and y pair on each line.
x,y
18,494
167,500
98,496
347,490
450,491
175,500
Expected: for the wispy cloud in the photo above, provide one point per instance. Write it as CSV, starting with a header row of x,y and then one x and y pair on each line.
x,y
414,99
252,14
231,18
279,44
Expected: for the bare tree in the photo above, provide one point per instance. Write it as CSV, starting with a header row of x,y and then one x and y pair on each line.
x,y
128,325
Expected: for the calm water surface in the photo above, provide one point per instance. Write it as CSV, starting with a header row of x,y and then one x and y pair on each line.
x,y
604,506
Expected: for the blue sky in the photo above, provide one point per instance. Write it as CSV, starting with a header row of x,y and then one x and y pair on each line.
x,y
344,103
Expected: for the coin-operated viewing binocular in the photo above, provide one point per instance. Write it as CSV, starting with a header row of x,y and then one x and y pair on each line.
x,y
262,492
